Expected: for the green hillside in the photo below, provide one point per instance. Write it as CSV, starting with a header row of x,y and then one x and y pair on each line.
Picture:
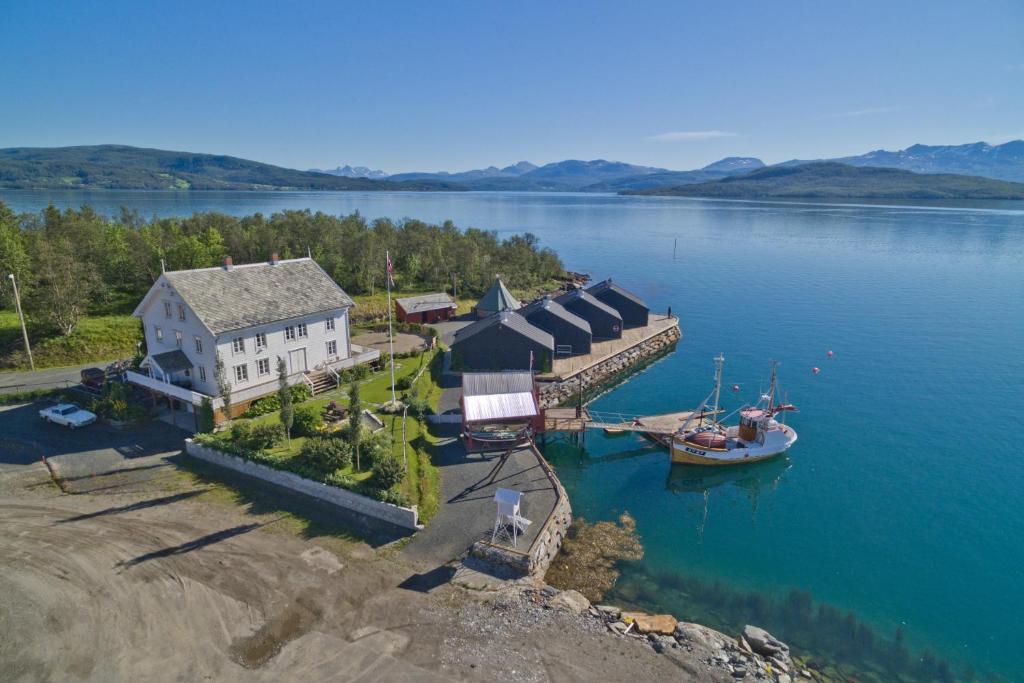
x,y
830,180
135,168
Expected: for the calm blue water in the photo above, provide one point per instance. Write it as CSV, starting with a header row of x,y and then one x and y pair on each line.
x,y
902,499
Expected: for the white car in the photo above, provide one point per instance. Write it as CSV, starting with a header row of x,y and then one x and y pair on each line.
x,y
68,414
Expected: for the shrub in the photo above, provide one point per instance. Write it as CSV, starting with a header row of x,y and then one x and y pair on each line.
x,y
393,497
267,404
418,406
374,447
404,383
307,420
326,454
300,392
206,415
259,437
387,471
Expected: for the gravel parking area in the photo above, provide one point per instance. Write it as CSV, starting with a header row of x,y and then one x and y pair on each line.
x,y
180,573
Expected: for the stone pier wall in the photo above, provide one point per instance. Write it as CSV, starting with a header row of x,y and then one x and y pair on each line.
x,y
606,371
534,561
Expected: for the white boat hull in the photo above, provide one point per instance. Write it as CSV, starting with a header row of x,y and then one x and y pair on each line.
x,y
777,440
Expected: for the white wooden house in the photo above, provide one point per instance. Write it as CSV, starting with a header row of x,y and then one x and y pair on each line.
x,y
250,315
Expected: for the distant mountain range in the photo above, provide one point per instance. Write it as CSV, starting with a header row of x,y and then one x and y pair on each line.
x,y
352,172
137,168
1003,162
124,167
833,180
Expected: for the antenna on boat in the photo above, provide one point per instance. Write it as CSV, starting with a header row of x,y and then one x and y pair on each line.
x,y
719,362
771,386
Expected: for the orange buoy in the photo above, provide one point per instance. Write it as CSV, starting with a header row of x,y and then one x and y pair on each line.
x,y
815,370
829,354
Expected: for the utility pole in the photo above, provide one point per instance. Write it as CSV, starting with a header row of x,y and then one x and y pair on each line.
x,y
21,317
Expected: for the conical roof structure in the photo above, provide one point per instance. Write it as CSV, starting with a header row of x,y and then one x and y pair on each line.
x,y
496,299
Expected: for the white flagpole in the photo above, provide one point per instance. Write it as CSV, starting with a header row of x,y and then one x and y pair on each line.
x,y
391,334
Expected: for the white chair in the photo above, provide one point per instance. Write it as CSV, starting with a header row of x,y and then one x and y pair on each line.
x,y
508,524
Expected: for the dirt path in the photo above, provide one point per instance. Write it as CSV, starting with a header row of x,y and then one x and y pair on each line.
x,y
187,579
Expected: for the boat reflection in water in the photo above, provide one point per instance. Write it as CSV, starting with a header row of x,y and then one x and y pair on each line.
x,y
750,480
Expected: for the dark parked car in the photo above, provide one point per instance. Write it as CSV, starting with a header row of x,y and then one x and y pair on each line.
x,y
93,377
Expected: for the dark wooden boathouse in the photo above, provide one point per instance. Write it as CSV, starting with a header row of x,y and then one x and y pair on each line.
x,y
503,341
571,332
605,322
632,308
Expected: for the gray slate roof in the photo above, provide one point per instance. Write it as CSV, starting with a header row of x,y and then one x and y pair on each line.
x,y
512,321
490,383
172,361
497,298
426,302
590,299
258,293
615,287
556,309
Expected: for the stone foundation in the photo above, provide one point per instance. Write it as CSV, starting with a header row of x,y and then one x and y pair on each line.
x,y
533,561
607,371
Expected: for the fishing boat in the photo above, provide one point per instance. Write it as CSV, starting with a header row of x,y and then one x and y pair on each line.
x,y
759,435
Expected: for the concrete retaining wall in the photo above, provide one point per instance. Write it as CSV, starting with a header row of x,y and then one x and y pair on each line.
x,y
535,560
405,518
623,363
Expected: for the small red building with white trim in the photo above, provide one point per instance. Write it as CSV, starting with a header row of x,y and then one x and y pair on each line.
x,y
425,308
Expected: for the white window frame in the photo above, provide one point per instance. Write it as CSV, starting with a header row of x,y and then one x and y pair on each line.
x,y
260,340
329,323
237,346
332,352
289,333
199,343
243,376
167,309
179,339
259,367
202,373
159,332
302,331
181,312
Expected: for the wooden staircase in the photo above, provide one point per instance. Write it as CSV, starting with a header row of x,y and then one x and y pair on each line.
x,y
320,381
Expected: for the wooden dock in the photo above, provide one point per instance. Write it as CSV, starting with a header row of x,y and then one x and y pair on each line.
x,y
656,427
665,424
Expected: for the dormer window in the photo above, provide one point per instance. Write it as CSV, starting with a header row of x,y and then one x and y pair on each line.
x,y
167,309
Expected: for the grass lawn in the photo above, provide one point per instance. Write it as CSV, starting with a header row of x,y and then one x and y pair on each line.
x,y
97,338
422,483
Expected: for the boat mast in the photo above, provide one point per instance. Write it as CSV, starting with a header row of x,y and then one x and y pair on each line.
x,y
719,362
771,387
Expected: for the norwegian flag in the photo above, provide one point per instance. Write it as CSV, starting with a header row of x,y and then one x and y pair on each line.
x,y
391,269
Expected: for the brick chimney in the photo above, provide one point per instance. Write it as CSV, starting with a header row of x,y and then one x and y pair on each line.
x,y
228,264
274,258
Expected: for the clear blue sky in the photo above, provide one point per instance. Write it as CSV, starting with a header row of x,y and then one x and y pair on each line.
x,y
435,85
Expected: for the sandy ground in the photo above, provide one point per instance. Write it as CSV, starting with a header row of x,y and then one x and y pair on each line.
x,y
183,575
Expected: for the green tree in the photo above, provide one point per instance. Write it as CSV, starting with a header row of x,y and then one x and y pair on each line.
x,y
355,421
206,415
284,395
64,285
220,374
14,256
388,472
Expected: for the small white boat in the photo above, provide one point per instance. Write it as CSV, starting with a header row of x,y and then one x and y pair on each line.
x,y
758,436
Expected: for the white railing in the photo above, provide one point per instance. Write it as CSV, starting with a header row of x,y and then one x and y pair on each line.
x,y
168,389
309,383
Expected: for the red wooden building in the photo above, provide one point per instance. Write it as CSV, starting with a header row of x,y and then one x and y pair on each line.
x,y
425,308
